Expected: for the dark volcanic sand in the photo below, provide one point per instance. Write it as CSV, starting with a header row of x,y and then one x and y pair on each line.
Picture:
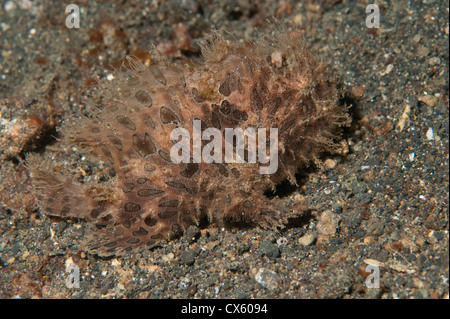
x,y
384,201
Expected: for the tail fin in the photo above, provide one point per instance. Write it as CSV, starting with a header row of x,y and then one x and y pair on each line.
x,y
56,194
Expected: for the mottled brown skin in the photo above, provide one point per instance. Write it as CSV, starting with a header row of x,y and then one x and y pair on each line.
x,y
237,85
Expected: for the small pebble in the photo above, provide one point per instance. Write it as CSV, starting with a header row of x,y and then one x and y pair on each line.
x,y
328,223
368,240
432,238
10,5
389,69
307,239
188,256
330,163
267,278
429,100
168,257
268,249
423,51
358,91
192,234
299,18
430,134
115,263
434,61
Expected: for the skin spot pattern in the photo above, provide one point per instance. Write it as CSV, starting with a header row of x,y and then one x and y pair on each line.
x,y
95,213
142,180
117,142
222,169
225,107
169,203
197,97
167,214
215,120
190,170
224,87
165,156
134,240
256,99
167,116
140,232
240,115
150,221
95,130
143,146
127,223
151,122
144,98
149,167
176,184
159,76
247,204
126,122
128,187
131,207
157,236
147,192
